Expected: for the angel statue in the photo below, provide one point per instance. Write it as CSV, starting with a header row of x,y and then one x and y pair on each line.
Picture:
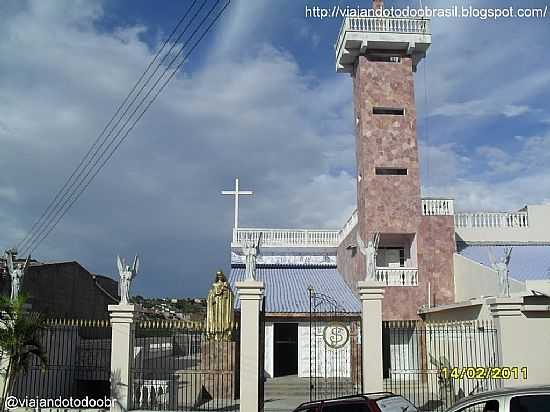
x,y
501,267
370,255
219,309
16,272
127,274
251,250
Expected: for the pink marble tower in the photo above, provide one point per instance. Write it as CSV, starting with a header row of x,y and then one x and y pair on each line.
x,y
415,251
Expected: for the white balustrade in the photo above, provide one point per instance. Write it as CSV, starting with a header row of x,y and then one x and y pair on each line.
x,y
432,206
288,237
492,220
397,276
348,226
403,25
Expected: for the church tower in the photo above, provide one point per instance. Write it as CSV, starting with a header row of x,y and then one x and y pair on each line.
x,y
382,54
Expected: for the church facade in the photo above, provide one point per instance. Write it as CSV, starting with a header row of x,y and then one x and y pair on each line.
x,y
428,254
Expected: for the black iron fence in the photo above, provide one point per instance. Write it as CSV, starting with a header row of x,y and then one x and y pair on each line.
x,y
177,366
334,349
78,362
435,364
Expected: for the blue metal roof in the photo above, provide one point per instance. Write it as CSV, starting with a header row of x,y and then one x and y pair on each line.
x,y
286,288
526,262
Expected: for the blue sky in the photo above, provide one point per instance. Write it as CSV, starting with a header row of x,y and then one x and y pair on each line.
x,y
260,100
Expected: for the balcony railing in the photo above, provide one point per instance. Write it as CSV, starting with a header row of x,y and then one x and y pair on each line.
x,y
437,207
288,237
397,276
348,226
402,25
492,220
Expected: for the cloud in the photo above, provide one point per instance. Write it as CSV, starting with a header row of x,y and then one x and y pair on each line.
x,y
248,115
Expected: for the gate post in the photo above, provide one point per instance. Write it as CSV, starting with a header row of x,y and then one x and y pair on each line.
x,y
371,294
123,319
250,294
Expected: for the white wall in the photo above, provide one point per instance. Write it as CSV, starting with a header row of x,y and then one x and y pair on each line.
x,y
473,280
327,359
268,353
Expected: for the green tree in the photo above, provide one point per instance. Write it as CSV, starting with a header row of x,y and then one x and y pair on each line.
x,y
19,340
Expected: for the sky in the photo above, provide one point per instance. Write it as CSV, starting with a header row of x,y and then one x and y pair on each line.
x,y
258,99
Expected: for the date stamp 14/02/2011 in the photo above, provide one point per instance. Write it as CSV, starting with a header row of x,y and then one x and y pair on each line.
x,y
485,372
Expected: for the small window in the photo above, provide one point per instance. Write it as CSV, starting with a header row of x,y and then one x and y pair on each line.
x,y
386,58
391,171
394,111
531,403
485,406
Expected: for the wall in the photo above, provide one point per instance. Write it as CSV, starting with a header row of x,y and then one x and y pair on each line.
x,y
524,327
66,290
472,280
436,246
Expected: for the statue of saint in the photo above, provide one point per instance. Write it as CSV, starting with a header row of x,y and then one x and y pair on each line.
x,y
219,309
127,274
251,250
501,267
16,272
370,255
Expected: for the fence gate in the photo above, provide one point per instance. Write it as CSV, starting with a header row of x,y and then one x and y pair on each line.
x,y
334,349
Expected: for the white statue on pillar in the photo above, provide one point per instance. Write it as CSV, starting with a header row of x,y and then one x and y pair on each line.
x,y
16,272
501,267
370,255
251,250
127,274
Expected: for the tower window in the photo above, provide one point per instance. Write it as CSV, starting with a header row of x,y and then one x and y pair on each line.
x,y
395,111
384,58
391,171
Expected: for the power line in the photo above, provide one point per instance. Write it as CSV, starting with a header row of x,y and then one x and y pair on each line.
x,y
63,210
94,144
70,191
47,230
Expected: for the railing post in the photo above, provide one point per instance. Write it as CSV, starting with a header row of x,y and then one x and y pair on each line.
x,y
250,294
123,318
371,294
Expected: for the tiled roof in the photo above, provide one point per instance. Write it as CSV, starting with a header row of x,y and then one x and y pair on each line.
x,y
286,288
526,262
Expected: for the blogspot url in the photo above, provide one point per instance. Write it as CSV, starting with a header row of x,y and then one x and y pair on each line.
x,y
426,12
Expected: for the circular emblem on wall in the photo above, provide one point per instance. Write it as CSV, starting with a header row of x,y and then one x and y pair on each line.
x,y
336,335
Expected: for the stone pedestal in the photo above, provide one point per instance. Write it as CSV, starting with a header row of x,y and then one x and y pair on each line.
x,y
250,294
123,319
371,294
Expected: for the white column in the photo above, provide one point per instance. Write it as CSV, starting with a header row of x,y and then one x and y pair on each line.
x,y
123,319
250,293
371,294
523,336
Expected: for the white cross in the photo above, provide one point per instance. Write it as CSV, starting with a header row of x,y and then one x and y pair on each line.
x,y
237,193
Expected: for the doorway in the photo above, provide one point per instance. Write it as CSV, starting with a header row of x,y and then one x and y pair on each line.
x,y
285,359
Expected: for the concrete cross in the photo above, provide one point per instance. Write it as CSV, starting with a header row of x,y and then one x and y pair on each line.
x,y
237,193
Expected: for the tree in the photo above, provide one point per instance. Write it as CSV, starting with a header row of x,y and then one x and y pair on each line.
x,y
19,340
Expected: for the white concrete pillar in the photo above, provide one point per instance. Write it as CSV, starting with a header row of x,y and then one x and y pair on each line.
x,y
123,319
523,330
250,293
371,294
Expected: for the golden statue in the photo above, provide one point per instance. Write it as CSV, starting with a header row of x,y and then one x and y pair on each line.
x,y
219,309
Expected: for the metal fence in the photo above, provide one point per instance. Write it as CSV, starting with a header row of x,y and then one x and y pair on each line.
x,y
335,362
435,364
177,366
78,354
